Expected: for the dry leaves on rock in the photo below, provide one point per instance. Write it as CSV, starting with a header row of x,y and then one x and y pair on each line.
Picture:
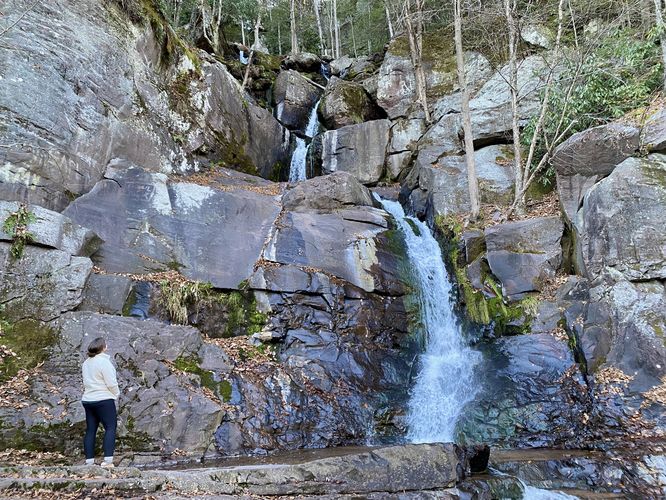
x,y
656,395
12,457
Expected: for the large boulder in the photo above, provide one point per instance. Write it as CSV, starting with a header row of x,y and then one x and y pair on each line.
x,y
150,224
302,61
396,88
161,405
524,254
53,230
620,224
133,103
330,192
357,149
491,106
653,132
42,284
294,99
346,103
588,156
442,180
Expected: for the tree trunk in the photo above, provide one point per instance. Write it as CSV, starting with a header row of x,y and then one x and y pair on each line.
x,y
388,19
510,10
336,26
351,21
317,7
292,17
242,24
662,36
466,116
251,56
414,24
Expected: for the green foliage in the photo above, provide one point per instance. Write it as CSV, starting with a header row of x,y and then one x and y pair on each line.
x,y
622,73
16,227
176,296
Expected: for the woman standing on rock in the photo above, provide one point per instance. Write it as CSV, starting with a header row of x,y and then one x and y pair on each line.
x,y
99,401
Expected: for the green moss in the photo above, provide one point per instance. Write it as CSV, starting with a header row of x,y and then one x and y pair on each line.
x,y
192,364
232,154
242,313
30,340
53,437
504,316
129,303
16,227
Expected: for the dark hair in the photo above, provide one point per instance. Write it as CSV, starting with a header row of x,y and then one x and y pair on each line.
x,y
96,346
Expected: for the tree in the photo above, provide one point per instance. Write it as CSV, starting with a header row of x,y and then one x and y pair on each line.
x,y
526,174
658,12
472,180
415,26
292,19
211,13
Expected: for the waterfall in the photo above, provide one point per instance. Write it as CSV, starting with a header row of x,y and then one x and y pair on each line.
x,y
444,384
297,171
243,58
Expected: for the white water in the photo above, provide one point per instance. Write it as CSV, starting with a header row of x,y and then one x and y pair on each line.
x,y
243,58
532,493
297,170
444,384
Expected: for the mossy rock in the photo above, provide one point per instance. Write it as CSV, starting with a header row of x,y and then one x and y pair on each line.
x,y
30,340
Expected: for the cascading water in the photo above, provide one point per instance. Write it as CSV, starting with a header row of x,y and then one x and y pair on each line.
x,y
243,58
297,170
444,384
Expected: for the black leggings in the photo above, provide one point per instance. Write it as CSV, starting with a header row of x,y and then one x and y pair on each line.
x,y
96,412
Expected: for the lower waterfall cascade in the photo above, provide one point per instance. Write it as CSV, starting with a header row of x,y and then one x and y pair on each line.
x,y
445,382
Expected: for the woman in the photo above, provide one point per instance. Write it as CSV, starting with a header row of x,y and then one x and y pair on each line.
x,y
99,401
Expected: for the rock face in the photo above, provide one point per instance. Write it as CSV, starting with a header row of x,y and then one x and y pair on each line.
x,y
441,181
294,99
42,284
122,109
346,103
653,133
620,227
302,61
508,410
53,230
491,106
588,156
396,87
357,149
175,221
320,260
524,254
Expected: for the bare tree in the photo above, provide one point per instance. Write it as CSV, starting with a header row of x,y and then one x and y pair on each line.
x,y
316,5
413,16
526,174
466,116
255,45
336,26
212,21
658,12
292,18
510,13
388,19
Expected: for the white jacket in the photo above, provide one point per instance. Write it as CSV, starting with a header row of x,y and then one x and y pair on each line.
x,y
99,379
